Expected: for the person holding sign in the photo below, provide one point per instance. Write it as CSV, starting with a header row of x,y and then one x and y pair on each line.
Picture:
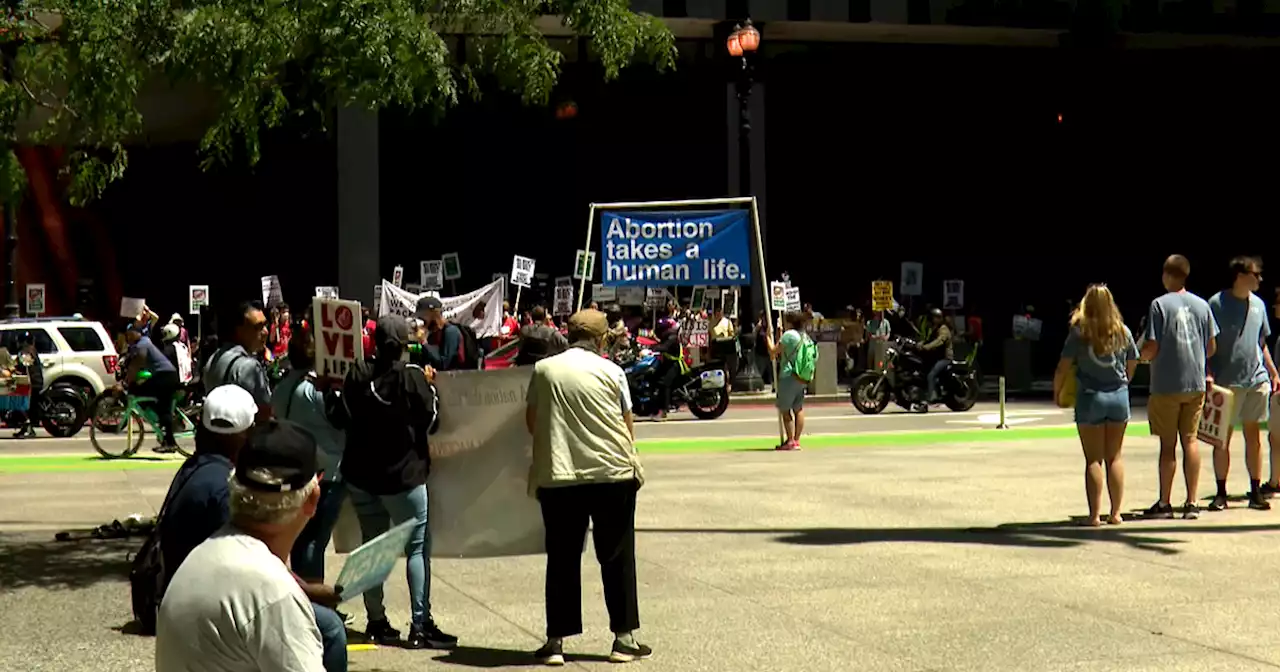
x,y
1181,335
1243,364
1101,354
799,356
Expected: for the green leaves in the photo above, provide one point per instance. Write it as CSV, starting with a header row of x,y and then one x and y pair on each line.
x,y
77,69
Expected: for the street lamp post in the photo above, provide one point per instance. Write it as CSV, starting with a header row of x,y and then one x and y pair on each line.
x,y
742,43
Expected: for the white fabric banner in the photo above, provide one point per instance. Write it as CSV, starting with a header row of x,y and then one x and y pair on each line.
x,y
456,308
479,503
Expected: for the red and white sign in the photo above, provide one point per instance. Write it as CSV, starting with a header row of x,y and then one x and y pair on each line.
x,y
35,299
1215,420
339,342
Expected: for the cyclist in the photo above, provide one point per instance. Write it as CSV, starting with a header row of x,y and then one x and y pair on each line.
x,y
161,384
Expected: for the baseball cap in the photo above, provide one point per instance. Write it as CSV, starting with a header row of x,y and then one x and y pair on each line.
x,y
428,303
280,456
589,322
391,330
228,409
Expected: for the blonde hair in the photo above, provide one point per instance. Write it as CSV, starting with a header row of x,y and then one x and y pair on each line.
x,y
1099,321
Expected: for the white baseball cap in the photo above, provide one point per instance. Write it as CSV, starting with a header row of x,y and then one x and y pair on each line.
x,y
228,409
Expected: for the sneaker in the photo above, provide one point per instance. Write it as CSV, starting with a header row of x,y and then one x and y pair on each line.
x,y
430,637
625,654
788,445
1269,490
551,653
1258,503
1190,511
1159,511
381,632
1219,503
165,450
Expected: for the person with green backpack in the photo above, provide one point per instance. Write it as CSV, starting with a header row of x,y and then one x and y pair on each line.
x,y
798,360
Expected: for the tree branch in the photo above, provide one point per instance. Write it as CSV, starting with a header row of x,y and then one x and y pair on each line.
x,y
49,106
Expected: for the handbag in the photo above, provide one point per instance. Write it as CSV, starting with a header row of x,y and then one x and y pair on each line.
x,y
1070,388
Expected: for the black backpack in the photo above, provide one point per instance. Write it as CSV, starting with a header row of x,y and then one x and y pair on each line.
x,y
147,575
469,347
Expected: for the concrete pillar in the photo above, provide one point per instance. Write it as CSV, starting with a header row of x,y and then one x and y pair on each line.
x,y
889,11
359,218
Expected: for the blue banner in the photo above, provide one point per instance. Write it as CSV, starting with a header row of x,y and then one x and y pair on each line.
x,y
663,249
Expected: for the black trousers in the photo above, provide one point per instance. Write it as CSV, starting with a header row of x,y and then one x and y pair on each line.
x,y
34,414
163,385
611,509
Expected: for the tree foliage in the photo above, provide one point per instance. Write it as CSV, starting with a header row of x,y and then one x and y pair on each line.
x,y
78,67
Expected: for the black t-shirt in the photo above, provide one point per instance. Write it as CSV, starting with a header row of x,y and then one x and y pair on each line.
x,y
392,411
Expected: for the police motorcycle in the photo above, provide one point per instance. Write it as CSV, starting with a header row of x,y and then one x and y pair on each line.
x,y
702,389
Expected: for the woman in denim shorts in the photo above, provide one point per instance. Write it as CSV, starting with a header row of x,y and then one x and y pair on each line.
x,y
1104,355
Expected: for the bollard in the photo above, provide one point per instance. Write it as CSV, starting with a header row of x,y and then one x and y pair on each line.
x,y
1002,424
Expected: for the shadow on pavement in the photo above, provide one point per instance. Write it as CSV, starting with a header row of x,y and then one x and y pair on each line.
x,y
470,656
1053,534
36,560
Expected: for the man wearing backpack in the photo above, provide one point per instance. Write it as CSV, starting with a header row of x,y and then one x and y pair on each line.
x,y
450,346
798,356
242,335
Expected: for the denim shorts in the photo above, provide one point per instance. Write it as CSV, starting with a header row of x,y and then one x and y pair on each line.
x,y
1100,408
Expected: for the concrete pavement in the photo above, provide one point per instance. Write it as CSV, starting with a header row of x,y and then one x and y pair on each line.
x,y
956,556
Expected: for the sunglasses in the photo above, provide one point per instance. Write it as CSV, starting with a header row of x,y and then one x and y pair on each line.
x,y
258,325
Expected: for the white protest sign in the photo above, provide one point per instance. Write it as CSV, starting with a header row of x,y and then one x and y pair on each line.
x,y
912,278
522,271
500,277
1215,420
461,309
35,298
564,300
184,361
778,295
655,297
479,470
339,336
377,296
432,274
271,292
698,329
452,266
197,296
584,265
131,307
370,565
601,293
793,299
952,294
327,292
397,276
631,296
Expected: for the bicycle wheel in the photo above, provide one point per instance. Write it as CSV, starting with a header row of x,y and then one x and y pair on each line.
x,y
184,438
115,429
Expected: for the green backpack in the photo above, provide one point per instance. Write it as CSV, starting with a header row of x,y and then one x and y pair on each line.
x,y
806,361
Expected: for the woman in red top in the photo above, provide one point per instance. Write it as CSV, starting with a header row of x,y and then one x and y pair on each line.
x,y
280,332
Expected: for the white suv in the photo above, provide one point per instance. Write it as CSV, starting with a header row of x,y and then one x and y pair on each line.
x,y
76,354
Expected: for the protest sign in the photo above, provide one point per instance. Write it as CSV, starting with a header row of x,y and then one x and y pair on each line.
x,y
699,298
602,294
729,300
793,299
432,274
272,295
952,294
480,459
912,278
778,295
35,298
882,295
452,266
370,565
697,329
655,297
676,248
377,296
459,309
522,271
630,296
339,336
397,276
327,292
1215,419
131,307
500,277
564,300
197,295
584,265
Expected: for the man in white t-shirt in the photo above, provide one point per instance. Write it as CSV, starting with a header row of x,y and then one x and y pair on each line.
x,y
233,605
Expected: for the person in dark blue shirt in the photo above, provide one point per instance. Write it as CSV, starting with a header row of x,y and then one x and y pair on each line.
x,y
444,339
161,383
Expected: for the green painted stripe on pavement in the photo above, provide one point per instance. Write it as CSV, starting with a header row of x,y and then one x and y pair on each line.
x,y
38,463
741,443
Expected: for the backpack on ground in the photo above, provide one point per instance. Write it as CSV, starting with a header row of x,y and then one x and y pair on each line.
x,y
806,362
468,347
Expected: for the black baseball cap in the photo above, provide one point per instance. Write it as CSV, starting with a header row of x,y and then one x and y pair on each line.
x,y
427,303
281,456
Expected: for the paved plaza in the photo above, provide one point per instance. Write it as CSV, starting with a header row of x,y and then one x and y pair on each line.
x,y
935,556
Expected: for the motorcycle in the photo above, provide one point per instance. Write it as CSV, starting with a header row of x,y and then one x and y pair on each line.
x,y
903,377
702,389
63,411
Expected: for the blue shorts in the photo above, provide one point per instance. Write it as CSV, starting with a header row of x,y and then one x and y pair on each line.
x,y
1100,408
790,393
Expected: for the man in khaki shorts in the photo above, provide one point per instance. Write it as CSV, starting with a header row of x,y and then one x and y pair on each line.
x,y
1180,337
1244,365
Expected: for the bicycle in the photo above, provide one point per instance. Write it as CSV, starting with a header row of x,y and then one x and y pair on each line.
x,y
131,418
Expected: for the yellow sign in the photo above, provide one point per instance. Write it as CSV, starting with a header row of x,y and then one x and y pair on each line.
x,y
882,295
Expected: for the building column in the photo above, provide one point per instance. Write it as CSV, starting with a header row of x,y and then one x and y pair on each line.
x,y
359,219
757,107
